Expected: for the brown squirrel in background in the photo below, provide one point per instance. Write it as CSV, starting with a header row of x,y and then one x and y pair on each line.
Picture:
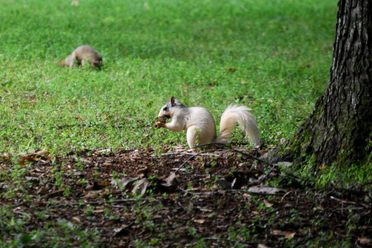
x,y
82,55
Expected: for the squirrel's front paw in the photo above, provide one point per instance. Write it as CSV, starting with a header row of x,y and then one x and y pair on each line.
x,y
160,122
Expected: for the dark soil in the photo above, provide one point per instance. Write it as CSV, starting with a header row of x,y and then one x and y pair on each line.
x,y
176,198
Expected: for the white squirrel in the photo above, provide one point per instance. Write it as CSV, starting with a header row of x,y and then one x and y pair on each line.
x,y
200,126
83,54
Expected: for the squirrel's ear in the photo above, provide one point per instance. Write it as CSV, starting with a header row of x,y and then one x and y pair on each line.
x,y
172,101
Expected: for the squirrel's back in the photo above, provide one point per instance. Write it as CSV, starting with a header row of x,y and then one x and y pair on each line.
x,y
201,117
87,52
82,54
202,124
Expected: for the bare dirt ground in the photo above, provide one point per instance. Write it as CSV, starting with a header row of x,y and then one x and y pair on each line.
x,y
174,198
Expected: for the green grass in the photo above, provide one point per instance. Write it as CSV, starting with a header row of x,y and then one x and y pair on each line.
x,y
281,51
271,55
60,233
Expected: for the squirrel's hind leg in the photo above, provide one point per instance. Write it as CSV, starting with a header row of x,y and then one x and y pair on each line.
x,y
192,136
196,137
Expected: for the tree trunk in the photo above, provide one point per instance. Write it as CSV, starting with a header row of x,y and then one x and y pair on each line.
x,y
339,129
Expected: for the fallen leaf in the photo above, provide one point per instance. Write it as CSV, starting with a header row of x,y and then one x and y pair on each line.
x,y
170,181
121,231
267,203
142,170
286,234
264,190
5,157
284,164
76,219
140,186
364,241
93,194
107,163
233,183
97,211
123,182
322,166
32,179
41,155
100,184
199,221
103,151
79,173
54,193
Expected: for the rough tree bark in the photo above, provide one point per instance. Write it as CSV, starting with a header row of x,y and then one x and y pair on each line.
x,y
339,129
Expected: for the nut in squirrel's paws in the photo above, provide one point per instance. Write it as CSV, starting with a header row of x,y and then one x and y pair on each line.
x,y
160,121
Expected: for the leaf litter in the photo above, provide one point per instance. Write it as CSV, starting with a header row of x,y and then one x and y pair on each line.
x,y
219,197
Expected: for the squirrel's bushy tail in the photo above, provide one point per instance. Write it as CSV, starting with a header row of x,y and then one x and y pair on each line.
x,y
238,114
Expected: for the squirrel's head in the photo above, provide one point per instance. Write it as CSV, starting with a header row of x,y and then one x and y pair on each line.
x,y
97,62
170,107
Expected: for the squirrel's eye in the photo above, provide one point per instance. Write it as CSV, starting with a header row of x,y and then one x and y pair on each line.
x,y
165,108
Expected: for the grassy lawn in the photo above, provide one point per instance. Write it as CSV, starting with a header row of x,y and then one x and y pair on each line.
x,y
273,56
